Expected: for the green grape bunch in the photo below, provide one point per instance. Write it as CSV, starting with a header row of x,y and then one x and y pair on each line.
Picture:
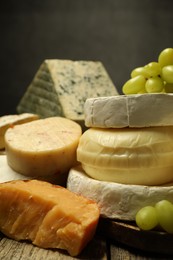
x,y
155,77
160,215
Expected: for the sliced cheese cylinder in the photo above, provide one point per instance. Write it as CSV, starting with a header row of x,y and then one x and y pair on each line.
x,y
141,110
129,155
48,215
10,120
45,147
116,200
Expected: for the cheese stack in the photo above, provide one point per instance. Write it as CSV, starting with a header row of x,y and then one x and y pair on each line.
x,y
126,155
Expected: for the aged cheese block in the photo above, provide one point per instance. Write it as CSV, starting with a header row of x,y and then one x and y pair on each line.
x,y
128,155
116,200
60,87
7,173
45,147
10,120
48,215
142,110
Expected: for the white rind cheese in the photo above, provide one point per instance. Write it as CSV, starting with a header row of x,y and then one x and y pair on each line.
x,y
61,87
117,201
7,173
141,110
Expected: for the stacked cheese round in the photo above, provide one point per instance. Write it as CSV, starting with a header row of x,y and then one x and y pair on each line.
x,y
113,149
133,156
43,148
115,153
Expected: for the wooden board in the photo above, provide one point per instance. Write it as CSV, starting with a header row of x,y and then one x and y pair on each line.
x,y
129,234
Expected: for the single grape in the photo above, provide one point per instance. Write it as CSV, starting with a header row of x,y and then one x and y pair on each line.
x,y
140,71
167,73
134,85
153,69
154,85
166,57
146,218
168,87
164,210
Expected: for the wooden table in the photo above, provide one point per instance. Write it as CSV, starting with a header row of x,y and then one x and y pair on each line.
x,y
98,248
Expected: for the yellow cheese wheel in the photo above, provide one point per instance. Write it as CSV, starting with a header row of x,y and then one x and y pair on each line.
x,y
43,147
130,155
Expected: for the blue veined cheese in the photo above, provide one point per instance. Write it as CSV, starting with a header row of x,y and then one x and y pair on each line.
x,y
116,200
61,87
140,110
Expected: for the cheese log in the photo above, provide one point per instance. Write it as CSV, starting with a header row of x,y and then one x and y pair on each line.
x,y
128,155
60,88
48,215
45,147
9,120
141,110
116,200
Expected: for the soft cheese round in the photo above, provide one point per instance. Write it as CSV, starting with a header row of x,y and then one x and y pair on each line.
x,y
141,110
116,201
129,155
45,147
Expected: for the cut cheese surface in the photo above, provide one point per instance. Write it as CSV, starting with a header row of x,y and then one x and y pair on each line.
x,y
116,200
60,88
142,110
48,215
10,120
45,147
128,155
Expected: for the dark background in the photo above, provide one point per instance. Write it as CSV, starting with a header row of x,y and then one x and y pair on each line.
x,y
123,34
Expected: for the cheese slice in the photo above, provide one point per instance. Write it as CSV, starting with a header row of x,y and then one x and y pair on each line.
x,y
10,120
48,215
45,147
141,110
128,155
7,173
116,200
60,88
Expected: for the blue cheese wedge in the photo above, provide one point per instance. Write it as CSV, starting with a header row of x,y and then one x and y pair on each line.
x,y
61,87
141,110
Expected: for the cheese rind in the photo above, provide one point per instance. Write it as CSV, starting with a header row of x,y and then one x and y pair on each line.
x,y
45,147
141,110
128,155
11,120
60,88
116,200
